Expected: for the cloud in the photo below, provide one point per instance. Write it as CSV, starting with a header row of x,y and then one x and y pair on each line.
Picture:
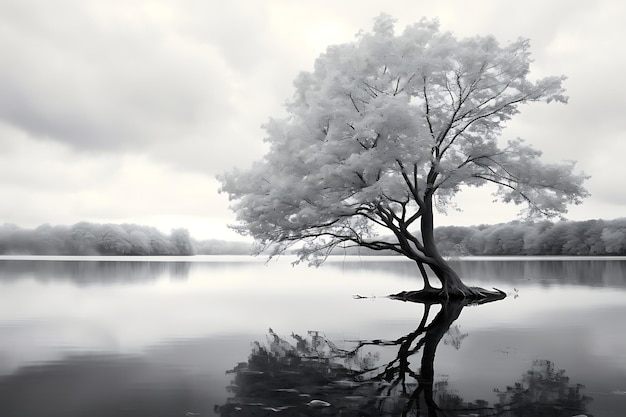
x,y
589,126
101,80
189,84
51,183
126,110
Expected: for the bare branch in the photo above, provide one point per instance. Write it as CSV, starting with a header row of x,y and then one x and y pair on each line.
x,y
355,106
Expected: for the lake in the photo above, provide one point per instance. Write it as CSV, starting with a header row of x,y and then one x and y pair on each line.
x,y
234,336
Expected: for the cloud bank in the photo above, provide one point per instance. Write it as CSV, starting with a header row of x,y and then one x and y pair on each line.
x,y
115,110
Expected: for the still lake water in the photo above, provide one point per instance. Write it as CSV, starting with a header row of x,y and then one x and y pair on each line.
x,y
191,337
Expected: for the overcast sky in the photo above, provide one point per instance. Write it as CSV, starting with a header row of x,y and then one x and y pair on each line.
x,y
124,111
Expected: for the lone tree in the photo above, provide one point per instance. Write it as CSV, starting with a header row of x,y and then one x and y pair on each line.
x,y
385,128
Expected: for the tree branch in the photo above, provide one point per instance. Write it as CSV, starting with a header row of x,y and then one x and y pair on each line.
x,y
412,186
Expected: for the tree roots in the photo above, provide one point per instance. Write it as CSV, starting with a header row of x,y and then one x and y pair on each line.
x,y
473,295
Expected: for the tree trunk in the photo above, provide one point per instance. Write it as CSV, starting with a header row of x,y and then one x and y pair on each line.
x,y
451,284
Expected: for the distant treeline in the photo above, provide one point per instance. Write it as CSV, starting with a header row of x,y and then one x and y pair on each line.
x,y
569,238
591,237
109,239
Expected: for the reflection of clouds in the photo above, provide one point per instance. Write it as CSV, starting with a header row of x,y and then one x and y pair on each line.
x,y
603,338
45,340
186,376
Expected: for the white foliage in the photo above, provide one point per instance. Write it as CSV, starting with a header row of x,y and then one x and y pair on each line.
x,y
386,124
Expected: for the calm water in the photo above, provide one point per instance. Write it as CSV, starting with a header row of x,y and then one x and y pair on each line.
x,y
191,337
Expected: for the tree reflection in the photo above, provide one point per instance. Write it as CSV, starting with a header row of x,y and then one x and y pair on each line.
x,y
312,376
85,272
542,392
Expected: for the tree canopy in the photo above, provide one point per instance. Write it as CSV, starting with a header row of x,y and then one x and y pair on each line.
x,y
386,127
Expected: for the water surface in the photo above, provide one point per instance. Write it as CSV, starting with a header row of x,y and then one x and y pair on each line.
x,y
183,336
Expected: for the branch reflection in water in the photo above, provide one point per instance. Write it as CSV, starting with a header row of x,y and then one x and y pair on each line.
x,y
312,375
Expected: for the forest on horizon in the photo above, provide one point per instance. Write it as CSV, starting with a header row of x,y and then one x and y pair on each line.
x,y
565,238
88,239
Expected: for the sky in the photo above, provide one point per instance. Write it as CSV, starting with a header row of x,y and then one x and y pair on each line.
x,y
125,111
